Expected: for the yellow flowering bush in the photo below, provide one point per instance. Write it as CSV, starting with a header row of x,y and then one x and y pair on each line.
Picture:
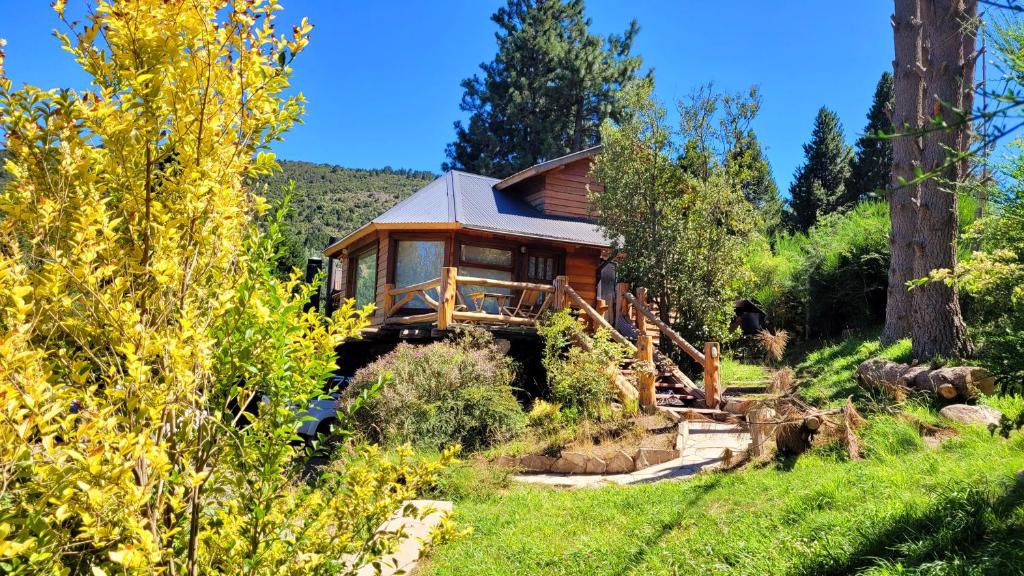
x,y
150,362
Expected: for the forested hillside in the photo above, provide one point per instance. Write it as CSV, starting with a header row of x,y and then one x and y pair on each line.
x,y
333,201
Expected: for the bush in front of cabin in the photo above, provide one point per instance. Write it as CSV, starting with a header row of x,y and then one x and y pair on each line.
x,y
577,366
440,394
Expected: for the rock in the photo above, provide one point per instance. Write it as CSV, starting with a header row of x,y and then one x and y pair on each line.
x,y
619,463
507,461
649,457
968,414
595,466
570,463
537,462
737,405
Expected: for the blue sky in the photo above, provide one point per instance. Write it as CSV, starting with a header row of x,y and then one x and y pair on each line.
x,y
382,78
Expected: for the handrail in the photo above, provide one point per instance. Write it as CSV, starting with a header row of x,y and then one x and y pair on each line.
x,y
597,318
666,330
490,282
417,287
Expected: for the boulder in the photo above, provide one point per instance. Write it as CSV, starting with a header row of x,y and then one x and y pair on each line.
x,y
619,463
595,466
506,461
536,462
969,414
570,463
649,457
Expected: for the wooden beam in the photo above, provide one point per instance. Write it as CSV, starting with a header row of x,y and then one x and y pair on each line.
x,y
621,304
645,354
597,318
488,282
560,285
446,300
712,374
666,330
641,320
493,318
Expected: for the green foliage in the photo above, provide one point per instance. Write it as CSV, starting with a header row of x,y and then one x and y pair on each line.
x,y
832,278
577,366
890,437
681,224
872,162
819,185
827,373
441,394
152,364
544,416
546,92
334,201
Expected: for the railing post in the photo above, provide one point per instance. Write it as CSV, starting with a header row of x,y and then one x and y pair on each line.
x,y
645,373
446,301
621,304
641,319
712,374
389,299
560,301
602,309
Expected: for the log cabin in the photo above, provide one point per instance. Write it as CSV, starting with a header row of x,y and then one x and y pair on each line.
x,y
505,244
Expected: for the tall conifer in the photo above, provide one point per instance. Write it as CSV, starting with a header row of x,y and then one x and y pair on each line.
x,y
819,185
872,163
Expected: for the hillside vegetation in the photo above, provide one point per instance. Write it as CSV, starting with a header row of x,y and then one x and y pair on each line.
x,y
332,201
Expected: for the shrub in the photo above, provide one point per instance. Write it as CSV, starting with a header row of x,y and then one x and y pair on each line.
x,y
577,375
544,416
440,394
834,277
138,304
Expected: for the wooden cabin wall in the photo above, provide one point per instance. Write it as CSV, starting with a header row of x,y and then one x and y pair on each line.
x,y
383,265
581,272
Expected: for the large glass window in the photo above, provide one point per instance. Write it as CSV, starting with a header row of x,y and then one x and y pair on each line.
x,y
418,261
365,270
486,256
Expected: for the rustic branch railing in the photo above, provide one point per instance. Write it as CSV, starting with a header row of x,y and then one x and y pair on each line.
x,y
710,359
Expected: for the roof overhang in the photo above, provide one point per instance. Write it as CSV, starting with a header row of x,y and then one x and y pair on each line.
x,y
547,166
334,249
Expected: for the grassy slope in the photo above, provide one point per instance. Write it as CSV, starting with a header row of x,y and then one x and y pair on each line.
x,y
906,509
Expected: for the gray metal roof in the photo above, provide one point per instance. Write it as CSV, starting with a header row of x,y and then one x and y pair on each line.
x,y
475,203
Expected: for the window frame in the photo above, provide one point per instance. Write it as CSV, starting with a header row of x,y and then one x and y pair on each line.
x,y
352,271
394,239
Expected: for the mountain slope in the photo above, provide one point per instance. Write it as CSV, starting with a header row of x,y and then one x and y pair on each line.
x,y
333,201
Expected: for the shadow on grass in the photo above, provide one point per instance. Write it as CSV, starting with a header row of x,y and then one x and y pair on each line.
x,y
642,547
966,528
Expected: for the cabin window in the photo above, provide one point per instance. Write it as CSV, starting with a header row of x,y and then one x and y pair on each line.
x,y
494,263
365,275
541,268
418,261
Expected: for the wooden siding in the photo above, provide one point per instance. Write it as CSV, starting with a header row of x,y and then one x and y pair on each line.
x,y
563,191
581,271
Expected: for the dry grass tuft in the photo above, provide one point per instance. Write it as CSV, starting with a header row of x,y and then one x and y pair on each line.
x,y
774,345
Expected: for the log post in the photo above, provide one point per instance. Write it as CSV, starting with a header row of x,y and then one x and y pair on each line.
x,y
712,374
560,301
602,309
621,304
640,320
389,299
645,355
446,297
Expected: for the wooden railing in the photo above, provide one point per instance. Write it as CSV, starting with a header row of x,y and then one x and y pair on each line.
x,y
524,303
710,360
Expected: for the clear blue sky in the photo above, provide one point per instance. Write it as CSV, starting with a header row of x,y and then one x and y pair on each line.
x,y
382,78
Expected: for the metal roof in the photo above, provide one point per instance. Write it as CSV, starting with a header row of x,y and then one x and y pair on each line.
x,y
547,166
473,202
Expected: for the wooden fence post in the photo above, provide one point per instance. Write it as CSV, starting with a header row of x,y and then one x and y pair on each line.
x,y
446,298
602,309
560,301
712,374
389,299
640,320
645,373
621,304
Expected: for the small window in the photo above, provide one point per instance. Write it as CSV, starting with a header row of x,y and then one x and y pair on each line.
x,y
540,268
365,267
487,256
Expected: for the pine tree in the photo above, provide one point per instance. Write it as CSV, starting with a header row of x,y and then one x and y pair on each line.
x,y
746,162
819,185
546,92
872,163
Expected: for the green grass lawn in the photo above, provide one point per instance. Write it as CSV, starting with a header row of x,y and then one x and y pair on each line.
x,y
905,509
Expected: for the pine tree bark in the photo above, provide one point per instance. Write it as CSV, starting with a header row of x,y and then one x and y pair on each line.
x,y
907,118
950,27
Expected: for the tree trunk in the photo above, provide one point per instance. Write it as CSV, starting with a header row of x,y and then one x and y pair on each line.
x,y
950,383
907,118
937,327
